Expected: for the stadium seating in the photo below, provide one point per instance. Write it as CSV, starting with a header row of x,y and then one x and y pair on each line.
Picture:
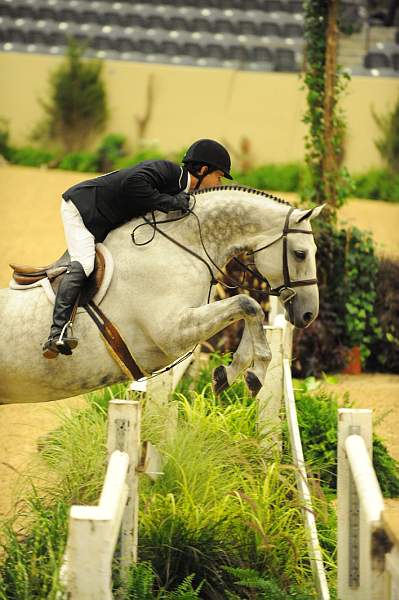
x,y
246,34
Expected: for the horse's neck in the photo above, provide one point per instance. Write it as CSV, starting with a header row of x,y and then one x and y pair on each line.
x,y
232,222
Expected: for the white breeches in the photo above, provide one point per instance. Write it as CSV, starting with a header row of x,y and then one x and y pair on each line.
x,y
80,242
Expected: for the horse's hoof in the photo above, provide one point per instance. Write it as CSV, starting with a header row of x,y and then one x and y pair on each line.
x,y
253,383
219,380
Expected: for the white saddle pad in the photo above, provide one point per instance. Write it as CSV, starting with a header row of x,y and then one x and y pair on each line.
x,y
46,285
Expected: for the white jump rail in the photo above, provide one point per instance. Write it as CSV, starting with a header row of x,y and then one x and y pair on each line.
x,y
368,534
94,530
315,555
278,385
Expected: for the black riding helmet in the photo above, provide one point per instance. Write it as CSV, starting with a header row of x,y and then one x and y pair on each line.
x,y
209,153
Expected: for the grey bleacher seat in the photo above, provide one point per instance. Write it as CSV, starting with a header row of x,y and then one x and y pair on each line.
x,y
239,53
112,18
261,54
362,71
90,16
395,60
216,51
224,25
16,35
68,15
383,72
48,13
285,60
273,5
170,48
202,24
193,49
295,6
376,60
133,19
179,23
269,28
258,66
148,46
248,27
103,42
292,30
21,11
124,44
6,9
155,21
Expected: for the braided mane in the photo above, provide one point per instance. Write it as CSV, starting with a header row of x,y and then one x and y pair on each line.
x,y
241,188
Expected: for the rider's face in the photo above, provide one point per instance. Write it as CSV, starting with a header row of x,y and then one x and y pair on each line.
x,y
213,179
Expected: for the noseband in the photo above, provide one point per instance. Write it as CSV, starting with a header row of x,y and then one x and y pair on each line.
x,y
285,291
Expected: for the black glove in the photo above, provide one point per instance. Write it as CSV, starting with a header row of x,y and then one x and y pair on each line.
x,y
180,202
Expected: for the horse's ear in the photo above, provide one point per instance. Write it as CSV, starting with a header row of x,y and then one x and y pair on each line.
x,y
310,214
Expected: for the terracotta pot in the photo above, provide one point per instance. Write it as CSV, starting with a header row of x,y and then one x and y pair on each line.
x,y
354,361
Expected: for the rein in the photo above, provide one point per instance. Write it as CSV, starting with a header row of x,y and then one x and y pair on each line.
x,y
285,291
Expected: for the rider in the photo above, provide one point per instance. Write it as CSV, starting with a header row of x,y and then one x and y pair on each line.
x,y
93,208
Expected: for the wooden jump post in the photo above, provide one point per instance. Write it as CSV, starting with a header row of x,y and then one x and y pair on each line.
x,y
94,530
368,534
278,387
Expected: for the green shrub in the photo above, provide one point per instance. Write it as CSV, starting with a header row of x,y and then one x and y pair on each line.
x,y
359,281
284,178
110,151
4,138
265,589
29,156
31,561
142,586
76,107
317,418
388,143
347,271
86,162
384,348
377,184
150,153
217,504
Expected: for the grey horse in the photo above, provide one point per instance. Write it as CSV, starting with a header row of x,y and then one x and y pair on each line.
x,y
158,297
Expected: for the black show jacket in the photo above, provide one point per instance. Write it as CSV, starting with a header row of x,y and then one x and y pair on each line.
x,y
112,199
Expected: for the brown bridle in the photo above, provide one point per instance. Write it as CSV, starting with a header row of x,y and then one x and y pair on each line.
x,y
285,291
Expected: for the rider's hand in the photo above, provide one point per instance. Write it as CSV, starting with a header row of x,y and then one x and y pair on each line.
x,y
181,202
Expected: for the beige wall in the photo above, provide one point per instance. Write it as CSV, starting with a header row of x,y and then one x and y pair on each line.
x,y
196,102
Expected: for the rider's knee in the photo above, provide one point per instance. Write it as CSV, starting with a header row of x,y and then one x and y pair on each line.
x,y
88,265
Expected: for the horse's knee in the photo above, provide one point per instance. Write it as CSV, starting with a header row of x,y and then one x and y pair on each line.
x,y
250,307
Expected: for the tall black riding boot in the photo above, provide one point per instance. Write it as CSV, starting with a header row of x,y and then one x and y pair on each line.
x,y
60,339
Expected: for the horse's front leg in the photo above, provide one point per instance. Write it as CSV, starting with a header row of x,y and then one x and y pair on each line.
x,y
224,376
198,324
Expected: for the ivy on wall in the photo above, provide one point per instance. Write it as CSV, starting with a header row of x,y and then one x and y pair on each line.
x,y
325,82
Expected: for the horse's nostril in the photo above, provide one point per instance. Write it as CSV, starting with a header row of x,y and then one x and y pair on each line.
x,y
307,317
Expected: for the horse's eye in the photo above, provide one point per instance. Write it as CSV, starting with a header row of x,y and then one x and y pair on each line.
x,y
300,254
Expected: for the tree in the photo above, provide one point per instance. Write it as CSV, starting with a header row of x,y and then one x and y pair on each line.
x,y
388,142
325,82
77,106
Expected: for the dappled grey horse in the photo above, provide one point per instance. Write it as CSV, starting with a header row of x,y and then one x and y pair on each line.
x,y
158,296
